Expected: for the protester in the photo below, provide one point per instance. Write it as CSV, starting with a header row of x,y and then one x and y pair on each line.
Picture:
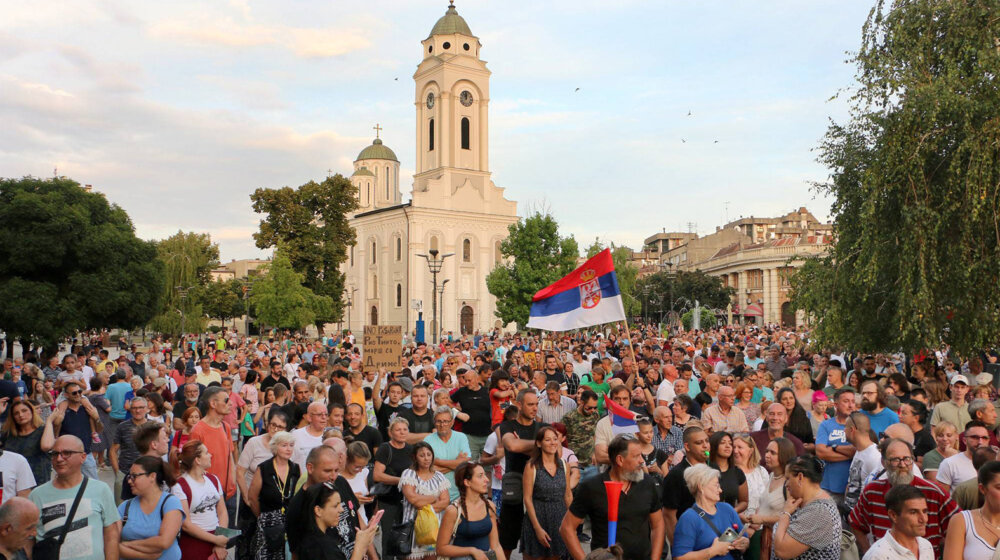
x,y
451,448
675,496
391,461
270,491
152,518
547,495
320,542
22,434
907,511
76,416
833,447
976,533
18,527
469,526
732,480
747,459
958,468
123,450
808,527
776,418
698,529
203,499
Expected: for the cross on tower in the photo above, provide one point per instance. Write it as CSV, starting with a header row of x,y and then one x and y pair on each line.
x,y
377,129
329,172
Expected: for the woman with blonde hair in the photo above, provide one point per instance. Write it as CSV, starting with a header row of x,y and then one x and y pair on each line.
x,y
935,393
22,433
946,438
695,535
747,459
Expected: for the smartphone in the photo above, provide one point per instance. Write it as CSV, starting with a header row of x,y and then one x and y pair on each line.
x,y
376,517
729,535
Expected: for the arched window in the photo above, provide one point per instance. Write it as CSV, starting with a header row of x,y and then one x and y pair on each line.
x,y
497,255
399,248
434,243
374,286
352,255
430,136
399,295
387,182
466,250
373,252
465,133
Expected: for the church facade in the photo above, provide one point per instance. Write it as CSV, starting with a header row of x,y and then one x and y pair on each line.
x,y
454,207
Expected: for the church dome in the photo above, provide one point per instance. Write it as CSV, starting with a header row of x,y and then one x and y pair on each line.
x,y
451,23
363,171
377,151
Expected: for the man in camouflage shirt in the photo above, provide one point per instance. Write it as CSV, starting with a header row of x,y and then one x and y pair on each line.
x,y
580,427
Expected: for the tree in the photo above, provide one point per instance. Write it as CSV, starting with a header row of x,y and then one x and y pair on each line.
x,y
915,178
625,271
688,287
707,319
187,259
221,300
534,257
69,261
281,300
311,225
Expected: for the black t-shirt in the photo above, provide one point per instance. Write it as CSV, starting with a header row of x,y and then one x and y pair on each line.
x,y
396,461
270,381
321,546
517,461
419,424
730,481
558,377
675,491
477,405
384,415
923,442
591,500
369,436
295,411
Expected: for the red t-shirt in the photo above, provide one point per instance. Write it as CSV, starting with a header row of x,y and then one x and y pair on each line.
x,y
497,406
220,444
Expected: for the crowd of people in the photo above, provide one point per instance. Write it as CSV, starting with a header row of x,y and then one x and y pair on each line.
x,y
742,442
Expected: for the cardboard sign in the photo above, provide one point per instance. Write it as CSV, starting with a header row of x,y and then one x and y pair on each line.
x,y
383,347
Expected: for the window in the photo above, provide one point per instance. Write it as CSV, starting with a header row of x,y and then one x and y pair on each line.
x,y
497,255
755,279
387,182
430,136
352,255
399,248
466,250
374,286
373,252
399,295
465,133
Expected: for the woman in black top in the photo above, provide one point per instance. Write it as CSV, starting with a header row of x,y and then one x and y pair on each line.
x,y
391,459
735,491
798,422
270,490
322,544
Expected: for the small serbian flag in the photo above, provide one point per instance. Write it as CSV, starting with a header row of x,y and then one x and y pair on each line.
x,y
622,419
586,297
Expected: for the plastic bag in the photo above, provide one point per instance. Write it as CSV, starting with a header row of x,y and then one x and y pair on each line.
x,y
425,526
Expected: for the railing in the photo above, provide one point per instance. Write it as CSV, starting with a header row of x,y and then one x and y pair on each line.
x,y
778,254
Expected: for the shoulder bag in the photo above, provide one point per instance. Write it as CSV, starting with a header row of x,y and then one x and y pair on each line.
x,y
381,489
736,554
49,547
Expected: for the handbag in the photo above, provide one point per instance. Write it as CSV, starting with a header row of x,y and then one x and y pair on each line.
x,y
381,489
400,539
425,526
512,487
849,546
49,547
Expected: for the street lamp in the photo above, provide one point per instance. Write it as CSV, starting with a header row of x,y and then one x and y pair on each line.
x,y
667,268
440,290
645,302
183,293
434,264
349,302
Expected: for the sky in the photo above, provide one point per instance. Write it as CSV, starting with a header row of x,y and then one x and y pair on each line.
x,y
687,113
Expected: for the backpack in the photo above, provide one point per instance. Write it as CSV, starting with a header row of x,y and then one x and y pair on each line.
x,y
186,488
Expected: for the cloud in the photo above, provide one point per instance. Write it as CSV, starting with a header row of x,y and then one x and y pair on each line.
x,y
304,42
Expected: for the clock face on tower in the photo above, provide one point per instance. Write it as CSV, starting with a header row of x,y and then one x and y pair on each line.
x,y
430,100
466,98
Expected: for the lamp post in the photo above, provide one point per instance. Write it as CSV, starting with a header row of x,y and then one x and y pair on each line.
x,y
645,302
183,293
434,264
667,268
349,302
440,290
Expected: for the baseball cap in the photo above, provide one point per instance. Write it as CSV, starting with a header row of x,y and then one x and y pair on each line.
x,y
960,379
406,383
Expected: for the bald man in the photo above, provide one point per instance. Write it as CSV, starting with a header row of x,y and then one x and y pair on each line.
x,y
18,525
94,528
866,461
310,435
775,419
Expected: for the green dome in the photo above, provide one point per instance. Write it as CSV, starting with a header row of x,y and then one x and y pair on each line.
x,y
451,23
363,172
377,151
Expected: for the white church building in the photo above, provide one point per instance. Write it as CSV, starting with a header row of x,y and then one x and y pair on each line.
x,y
454,206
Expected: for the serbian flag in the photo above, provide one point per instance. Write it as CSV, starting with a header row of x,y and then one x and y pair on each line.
x,y
585,297
622,419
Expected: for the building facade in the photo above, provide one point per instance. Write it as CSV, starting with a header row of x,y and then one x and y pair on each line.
x,y
454,207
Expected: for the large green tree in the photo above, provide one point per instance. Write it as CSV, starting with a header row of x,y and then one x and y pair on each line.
x,y
222,300
625,271
915,179
679,291
535,255
188,259
69,260
281,299
310,223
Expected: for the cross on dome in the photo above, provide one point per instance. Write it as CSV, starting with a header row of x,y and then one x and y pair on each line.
x,y
377,129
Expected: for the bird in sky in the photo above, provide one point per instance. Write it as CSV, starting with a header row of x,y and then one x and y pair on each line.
x,y
577,89
683,141
716,142
689,112
396,79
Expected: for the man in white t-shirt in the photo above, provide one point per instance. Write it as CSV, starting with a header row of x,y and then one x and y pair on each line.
x,y
906,507
958,468
665,393
311,435
16,478
866,460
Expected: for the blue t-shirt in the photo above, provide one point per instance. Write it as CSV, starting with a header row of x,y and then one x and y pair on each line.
x,y
116,396
882,420
835,474
458,443
693,533
141,526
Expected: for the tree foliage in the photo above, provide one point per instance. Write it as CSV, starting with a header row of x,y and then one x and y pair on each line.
x,y
311,224
281,299
69,261
187,259
688,287
707,320
534,257
222,300
625,271
915,178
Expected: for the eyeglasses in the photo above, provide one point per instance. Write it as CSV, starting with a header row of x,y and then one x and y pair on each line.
x,y
590,408
278,427
894,461
74,393
64,454
131,476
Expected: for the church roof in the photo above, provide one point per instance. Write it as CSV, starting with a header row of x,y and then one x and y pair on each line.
x,y
377,151
451,23
364,171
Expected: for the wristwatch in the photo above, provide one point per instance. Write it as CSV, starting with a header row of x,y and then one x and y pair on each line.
x,y
834,448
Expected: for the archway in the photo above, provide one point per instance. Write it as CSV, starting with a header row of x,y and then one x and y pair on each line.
x,y
374,317
465,320
787,314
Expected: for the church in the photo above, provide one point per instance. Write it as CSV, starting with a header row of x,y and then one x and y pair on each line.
x,y
454,207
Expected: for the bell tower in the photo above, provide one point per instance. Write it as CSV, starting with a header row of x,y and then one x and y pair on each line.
x,y
452,101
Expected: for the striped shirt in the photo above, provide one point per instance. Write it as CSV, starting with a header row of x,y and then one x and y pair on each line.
x,y
870,516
